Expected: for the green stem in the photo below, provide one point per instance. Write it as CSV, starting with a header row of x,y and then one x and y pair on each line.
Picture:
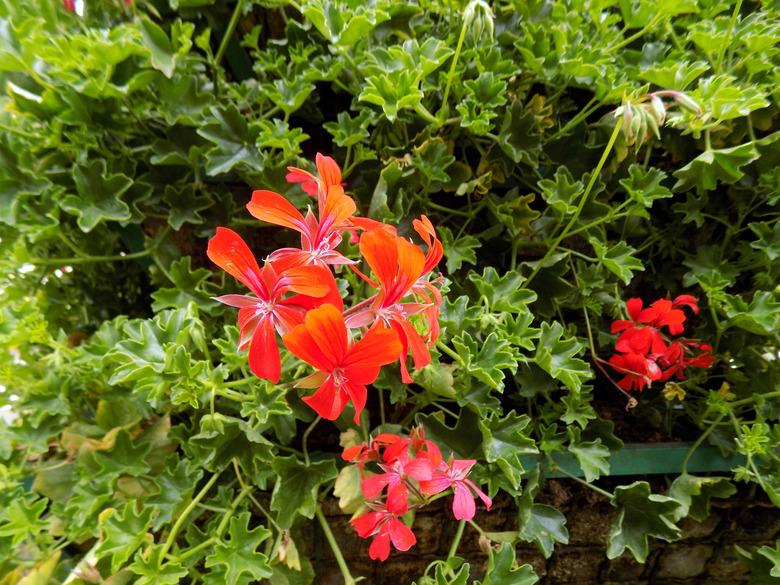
x,y
628,40
334,546
586,111
596,489
228,33
180,520
725,45
450,352
245,491
451,74
305,440
196,549
456,541
698,443
582,202
752,399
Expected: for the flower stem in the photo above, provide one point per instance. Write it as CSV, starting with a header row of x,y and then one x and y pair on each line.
x,y
596,489
180,521
698,443
581,205
727,42
305,440
229,32
334,546
451,74
456,540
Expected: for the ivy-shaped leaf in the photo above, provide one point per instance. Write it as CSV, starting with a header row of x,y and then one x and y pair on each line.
x,y
555,355
592,456
345,23
768,240
619,259
151,572
234,145
175,486
464,439
457,251
238,554
761,316
694,494
486,361
644,187
773,555
562,192
502,569
122,533
545,526
715,165
393,92
503,293
640,515
297,486
23,519
504,441
99,195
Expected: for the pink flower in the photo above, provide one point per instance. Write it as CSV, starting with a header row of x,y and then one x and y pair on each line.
x,y
395,476
455,475
385,527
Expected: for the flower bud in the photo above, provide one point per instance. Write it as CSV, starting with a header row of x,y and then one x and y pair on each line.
x,y
478,19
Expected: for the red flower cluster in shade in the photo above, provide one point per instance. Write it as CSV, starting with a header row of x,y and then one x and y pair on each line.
x,y
411,470
646,354
295,293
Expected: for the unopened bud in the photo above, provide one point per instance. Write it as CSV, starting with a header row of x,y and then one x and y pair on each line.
x,y
478,19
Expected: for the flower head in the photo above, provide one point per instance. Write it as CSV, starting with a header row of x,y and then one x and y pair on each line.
x,y
455,475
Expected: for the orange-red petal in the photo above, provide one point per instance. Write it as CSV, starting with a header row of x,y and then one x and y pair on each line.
x,y
264,352
229,251
273,208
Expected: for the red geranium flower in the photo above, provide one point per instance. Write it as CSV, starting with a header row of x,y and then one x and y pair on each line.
x,y
269,310
385,527
639,371
395,477
344,368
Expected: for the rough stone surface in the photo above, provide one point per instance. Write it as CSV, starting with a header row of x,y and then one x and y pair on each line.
x,y
684,561
622,568
590,524
575,565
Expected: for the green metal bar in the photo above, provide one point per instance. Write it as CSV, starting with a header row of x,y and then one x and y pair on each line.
x,y
645,459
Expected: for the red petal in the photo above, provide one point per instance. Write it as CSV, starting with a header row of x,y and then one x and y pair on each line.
x,y
380,547
329,171
380,251
314,281
273,208
357,393
398,498
229,251
366,524
437,484
402,536
634,307
463,507
327,330
302,345
328,401
379,346
306,179
689,301
264,352
373,485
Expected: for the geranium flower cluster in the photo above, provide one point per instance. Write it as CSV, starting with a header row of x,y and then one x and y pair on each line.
x,y
295,294
410,471
646,353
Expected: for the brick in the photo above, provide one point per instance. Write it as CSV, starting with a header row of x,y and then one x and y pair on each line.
x,y
622,568
575,565
683,561
725,564
695,530
590,525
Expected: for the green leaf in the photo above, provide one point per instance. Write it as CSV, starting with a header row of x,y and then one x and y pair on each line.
x,y
545,526
519,137
503,294
486,360
713,166
578,409
348,131
464,439
563,192
502,569
345,23
618,259
761,316
151,572
592,456
644,187
640,514
234,145
297,486
23,519
773,554
175,486
99,195
393,92
694,494
504,441
189,286
457,251
347,489
768,239
124,457
238,554
555,355
122,533
160,47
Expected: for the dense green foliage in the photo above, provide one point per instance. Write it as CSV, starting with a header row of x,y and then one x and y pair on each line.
x,y
138,443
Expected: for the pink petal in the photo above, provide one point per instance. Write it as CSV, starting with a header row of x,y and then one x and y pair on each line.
x,y
380,547
373,485
401,535
463,507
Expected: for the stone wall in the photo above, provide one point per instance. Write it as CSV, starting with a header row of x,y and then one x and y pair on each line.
x,y
705,555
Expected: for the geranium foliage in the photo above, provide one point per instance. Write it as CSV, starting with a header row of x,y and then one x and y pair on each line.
x,y
260,253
